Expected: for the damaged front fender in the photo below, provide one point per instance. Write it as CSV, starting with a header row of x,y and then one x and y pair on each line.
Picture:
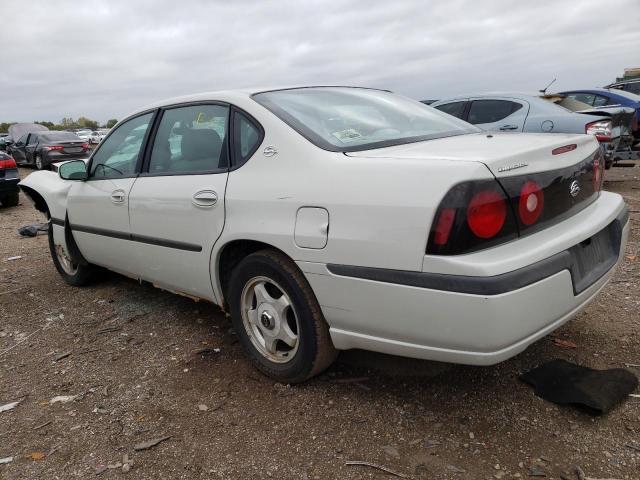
x,y
48,193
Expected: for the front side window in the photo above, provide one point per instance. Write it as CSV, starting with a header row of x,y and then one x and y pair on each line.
x,y
490,111
33,139
353,119
191,140
22,140
246,138
118,155
600,101
454,108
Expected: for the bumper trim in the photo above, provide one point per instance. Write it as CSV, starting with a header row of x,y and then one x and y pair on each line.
x,y
497,284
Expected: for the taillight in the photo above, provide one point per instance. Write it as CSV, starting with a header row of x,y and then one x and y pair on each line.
x,y
471,216
85,146
8,163
598,171
443,226
564,149
486,213
531,203
53,147
601,129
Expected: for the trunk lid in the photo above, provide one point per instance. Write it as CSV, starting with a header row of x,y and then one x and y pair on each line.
x,y
505,154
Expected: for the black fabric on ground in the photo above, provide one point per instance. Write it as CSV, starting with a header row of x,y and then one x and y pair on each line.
x,y
566,383
32,230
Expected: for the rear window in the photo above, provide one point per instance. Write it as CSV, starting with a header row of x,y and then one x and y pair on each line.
x,y
352,119
60,137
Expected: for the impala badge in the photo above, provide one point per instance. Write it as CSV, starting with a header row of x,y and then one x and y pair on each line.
x,y
574,188
507,168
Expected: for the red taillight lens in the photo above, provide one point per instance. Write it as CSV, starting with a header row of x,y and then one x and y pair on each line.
x,y
598,172
486,213
531,203
85,146
54,147
8,163
443,226
601,129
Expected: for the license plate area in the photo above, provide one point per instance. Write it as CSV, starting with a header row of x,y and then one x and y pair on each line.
x,y
595,256
73,149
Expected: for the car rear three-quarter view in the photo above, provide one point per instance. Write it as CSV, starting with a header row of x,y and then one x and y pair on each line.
x,y
332,218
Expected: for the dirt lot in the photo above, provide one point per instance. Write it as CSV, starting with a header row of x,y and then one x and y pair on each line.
x,y
146,364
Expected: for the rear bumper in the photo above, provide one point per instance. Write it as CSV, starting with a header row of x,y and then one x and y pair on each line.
x,y
448,323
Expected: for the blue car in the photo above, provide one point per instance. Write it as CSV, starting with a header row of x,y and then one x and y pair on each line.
x,y
600,97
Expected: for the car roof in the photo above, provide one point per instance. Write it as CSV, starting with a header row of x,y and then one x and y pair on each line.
x,y
608,91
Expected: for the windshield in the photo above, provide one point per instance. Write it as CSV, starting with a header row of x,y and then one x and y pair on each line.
x,y
352,119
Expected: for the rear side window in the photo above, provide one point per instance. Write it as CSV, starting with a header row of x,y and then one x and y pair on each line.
x,y
455,108
490,111
246,138
632,87
33,139
582,97
191,140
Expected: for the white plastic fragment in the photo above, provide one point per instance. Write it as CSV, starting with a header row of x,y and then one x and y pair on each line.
x,y
63,399
18,257
6,460
9,406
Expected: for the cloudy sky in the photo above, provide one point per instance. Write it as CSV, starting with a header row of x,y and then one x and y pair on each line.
x,y
103,59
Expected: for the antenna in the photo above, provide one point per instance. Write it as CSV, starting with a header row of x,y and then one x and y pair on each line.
x,y
544,90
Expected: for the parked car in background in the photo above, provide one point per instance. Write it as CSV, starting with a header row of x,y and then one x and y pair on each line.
x,y
516,112
606,98
97,136
41,149
84,134
3,143
279,206
9,178
631,86
17,130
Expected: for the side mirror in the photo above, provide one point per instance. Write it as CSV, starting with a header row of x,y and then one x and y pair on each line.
x,y
74,170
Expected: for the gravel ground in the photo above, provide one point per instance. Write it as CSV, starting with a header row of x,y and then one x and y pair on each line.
x,y
142,364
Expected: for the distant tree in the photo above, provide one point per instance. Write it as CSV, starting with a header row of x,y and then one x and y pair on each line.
x,y
4,126
87,123
110,123
68,122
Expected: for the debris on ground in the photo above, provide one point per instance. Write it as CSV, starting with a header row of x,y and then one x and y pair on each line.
x,y
11,259
391,451
151,443
377,467
559,342
6,460
562,382
9,406
32,230
62,356
582,476
202,407
36,456
64,398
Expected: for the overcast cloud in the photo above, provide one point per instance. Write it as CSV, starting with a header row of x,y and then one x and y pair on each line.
x,y
103,59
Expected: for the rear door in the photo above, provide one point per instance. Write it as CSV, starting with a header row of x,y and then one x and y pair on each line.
x,y
176,207
498,114
98,207
30,148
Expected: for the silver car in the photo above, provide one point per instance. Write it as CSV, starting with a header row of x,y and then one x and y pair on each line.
x,y
516,112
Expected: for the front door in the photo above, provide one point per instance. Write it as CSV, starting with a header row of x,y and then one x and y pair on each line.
x,y
98,207
177,206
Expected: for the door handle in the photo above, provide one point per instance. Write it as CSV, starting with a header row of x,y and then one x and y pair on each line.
x,y
205,198
509,127
118,196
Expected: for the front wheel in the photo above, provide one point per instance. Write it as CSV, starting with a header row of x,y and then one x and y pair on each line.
x,y
71,271
277,318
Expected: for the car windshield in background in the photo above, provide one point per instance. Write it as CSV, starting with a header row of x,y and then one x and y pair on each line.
x,y
352,119
60,137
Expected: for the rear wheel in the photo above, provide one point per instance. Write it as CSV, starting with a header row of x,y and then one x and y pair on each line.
x,y
11,200
71,271
277,318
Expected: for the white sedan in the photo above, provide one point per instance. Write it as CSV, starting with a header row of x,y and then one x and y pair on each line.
x,y
331,218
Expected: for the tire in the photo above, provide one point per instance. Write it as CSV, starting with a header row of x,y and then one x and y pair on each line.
x,y
74,274
257,320
38,162
11,200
